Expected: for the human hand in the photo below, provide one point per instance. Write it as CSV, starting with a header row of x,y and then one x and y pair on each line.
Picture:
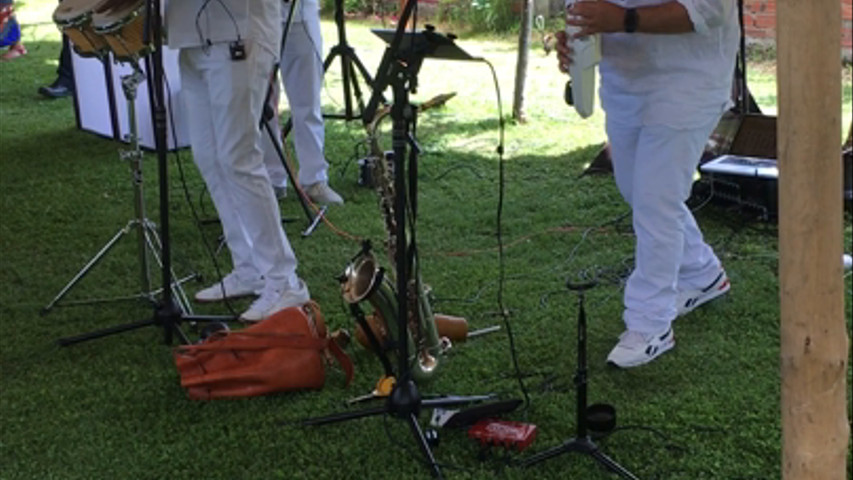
x,y
564,51
591,16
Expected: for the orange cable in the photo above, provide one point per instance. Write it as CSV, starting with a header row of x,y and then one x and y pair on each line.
x,y
338,231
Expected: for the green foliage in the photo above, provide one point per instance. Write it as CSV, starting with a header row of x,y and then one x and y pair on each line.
x,y
113,407
362,8
480,15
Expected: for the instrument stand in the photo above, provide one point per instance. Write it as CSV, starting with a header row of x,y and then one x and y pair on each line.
x,y
582,442
405,401
168,312
351,65
149,245
266,123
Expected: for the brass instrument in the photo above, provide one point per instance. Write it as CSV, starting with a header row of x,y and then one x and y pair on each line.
x,y
363,280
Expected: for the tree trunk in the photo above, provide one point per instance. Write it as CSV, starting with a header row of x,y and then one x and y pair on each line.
x,y
814,343
521,64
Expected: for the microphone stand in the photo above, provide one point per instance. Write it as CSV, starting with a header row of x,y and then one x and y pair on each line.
x,y
277,137
399,69
582,441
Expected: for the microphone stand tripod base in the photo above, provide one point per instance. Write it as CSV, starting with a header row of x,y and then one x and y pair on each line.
x,y
581,443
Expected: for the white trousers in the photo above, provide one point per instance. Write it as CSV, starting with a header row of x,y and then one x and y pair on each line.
x,y
224,100
654,167
302,75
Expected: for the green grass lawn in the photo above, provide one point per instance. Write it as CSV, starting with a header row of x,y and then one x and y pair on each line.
x,y
114,408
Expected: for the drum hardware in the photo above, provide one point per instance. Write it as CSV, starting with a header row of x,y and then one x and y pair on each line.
x,y
149,245
172,307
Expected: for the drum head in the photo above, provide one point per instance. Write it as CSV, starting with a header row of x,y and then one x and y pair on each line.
x,y
114,14
75,12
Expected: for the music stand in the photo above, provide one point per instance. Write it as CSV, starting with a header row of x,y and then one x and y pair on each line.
x,y
582,442
401,61
167,314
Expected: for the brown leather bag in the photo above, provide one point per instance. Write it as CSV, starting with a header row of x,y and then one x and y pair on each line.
x,y
284,352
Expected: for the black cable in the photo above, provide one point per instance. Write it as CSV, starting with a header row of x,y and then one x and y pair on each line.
x,y
499,234
206,41
189,201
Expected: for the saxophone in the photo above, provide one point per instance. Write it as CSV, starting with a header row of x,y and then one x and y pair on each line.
x,y
363,279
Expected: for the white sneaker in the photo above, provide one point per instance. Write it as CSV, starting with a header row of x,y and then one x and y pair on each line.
x,y
229,287
688,300
273,300
635,349
321,192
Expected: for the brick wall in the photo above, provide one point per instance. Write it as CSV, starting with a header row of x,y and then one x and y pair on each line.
x,y
759,20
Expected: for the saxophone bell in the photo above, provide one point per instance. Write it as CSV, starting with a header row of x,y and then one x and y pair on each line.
x,y
364,280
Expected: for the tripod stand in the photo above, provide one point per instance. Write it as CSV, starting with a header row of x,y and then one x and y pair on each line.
x,y
351,66
149,245
168,313
405,401
582,442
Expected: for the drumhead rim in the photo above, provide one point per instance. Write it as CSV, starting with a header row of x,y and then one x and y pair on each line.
x,y
114,24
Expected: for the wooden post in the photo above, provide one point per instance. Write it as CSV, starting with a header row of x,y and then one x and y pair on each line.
x,y
815,430
521,64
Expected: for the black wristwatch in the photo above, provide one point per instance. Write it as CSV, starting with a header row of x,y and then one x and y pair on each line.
x,y
630,20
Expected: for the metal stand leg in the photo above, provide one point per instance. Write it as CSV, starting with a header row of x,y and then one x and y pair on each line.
x,y
582,442
148,241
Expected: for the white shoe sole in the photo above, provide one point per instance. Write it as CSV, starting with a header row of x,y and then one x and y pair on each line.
x,y
222,299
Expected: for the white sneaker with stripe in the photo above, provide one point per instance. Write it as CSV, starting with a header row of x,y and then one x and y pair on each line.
x,y
635,348
687,301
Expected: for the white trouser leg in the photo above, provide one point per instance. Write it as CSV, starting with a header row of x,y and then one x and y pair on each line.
x,y
654,168
223,98
272,160
302,75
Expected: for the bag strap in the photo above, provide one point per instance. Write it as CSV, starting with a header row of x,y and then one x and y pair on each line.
x,y
342,358
312,309
239,340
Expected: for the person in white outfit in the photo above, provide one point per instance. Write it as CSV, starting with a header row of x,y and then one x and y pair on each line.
x,y
666,77
302,75
227,52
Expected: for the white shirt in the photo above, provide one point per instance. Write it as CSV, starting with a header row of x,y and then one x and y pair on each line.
x,y
678,80
195,23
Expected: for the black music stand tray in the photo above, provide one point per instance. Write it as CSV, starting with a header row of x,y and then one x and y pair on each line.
x,y
399,68
582,441
167,314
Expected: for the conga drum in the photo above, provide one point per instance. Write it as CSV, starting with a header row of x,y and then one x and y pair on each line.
x,y
122,25
74,17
